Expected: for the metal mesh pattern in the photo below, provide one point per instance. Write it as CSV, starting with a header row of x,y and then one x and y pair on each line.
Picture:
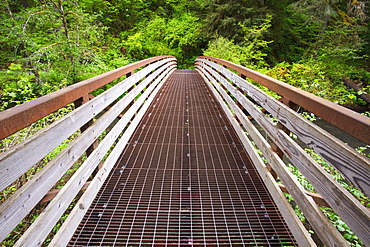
x,y
183,179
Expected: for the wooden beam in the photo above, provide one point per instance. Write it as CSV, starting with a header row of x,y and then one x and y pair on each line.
x,y
13,162
296,226
351,122
53,193
316,197
15,208
19,117
70,225
344,204
327,232
351,164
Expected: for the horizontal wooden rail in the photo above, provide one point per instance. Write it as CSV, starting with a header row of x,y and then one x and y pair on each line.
x,y
111,116
236,91
350,163
316,197
74,218
347,120
297,228
19,117
13,164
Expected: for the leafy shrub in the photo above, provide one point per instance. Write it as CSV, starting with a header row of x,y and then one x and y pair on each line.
x,y
250,54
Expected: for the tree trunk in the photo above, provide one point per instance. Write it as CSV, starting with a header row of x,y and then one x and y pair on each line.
x,y
357,88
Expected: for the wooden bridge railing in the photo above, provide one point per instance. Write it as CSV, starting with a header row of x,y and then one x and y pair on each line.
x,y
95,119
244,101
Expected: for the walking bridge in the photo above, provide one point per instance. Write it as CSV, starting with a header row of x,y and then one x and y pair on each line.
x,y
179,157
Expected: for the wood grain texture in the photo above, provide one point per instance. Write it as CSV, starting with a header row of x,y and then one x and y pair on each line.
x,y
354,166
68,228
351,122
18,205
321,224
348,208
39,230
13,163
295,225
18,117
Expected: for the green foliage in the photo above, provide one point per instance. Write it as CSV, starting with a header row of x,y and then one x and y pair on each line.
x,y
224,17
334,218
340,43
342,227
123,15
223,48
292,36
251,53
254,44
47,45
60,43
18,85
160,36
333,42
300,178
321,79
149,40
54,43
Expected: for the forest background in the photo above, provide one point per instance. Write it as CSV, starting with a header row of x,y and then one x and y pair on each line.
x,y
320,46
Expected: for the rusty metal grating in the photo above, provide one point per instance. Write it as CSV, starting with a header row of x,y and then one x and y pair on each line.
x,y
184,179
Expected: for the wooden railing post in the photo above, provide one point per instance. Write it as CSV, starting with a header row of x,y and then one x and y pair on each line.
x,y
17,161
79,102
129,74
354,166
274,147
293,106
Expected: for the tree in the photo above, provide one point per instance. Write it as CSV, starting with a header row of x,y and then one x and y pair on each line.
x,y
222,17
53,43
251,53
178,36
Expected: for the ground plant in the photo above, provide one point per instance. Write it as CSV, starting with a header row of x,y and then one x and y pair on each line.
x,y
318,46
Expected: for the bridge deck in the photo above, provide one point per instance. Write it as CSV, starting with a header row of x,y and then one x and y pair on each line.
x,y
183,179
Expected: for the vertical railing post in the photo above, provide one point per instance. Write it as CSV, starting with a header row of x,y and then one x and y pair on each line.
x,y
129,90
273,146
293,106
79,102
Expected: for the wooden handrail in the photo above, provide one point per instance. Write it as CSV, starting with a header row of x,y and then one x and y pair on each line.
x,y
353,165
19,117
132,95
351,122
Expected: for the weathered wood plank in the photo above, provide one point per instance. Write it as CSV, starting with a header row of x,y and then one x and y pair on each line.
x,y
345,119
316,197
15,208
68,228
53,193
321,224
13,164
39,230
296,226
344,204
18,117
354,166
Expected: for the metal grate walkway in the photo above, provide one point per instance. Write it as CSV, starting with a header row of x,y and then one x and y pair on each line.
x,y
183,179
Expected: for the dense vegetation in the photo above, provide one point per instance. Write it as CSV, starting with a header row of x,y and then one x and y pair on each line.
x,y
315,45
320,46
